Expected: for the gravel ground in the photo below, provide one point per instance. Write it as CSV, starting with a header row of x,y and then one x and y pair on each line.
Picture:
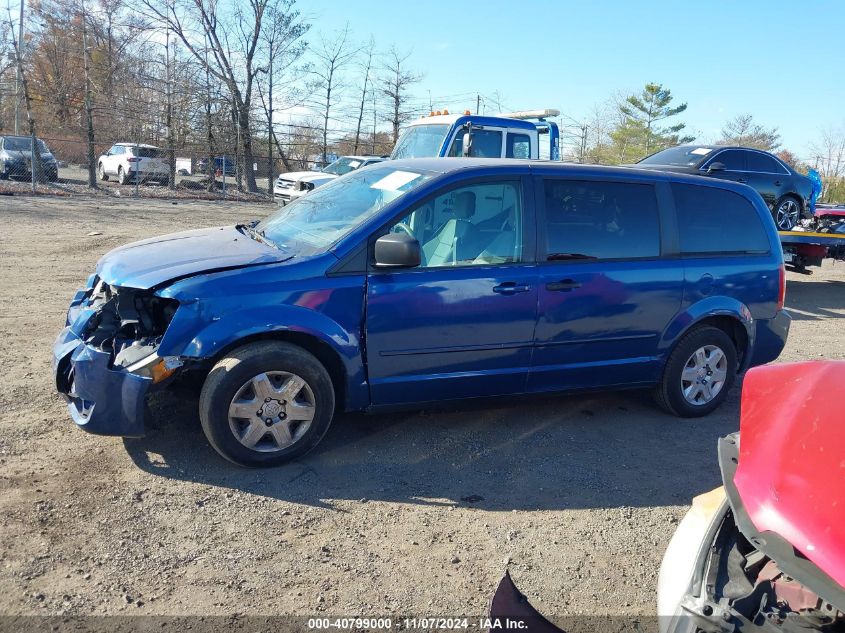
x,y
405,513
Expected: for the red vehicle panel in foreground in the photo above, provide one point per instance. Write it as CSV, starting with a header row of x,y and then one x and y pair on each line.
x,y
791,473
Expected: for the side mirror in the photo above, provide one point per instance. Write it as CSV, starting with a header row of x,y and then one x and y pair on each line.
x,y
466,144
397,250
716,167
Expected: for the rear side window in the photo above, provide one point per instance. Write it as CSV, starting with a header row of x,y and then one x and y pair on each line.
x,y
147,152
716,221
600,220
518,146
764,164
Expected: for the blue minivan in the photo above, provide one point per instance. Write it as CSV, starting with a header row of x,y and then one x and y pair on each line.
x,y
417,281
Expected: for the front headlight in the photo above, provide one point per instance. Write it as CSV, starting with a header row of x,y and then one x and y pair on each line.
x,y
688,546
156,367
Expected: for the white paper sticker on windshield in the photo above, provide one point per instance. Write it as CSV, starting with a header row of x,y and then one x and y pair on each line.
x,y
354,164
395,181
701,151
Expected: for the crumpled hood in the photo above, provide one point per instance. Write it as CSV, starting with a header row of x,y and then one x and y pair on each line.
x,y
151,262
791,471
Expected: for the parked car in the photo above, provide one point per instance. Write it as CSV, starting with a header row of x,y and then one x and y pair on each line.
x,y
786,192
133,161
296,184
767,550
465,277
16,158
222,165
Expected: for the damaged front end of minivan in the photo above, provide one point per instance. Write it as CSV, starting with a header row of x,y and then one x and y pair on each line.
x,y
109,347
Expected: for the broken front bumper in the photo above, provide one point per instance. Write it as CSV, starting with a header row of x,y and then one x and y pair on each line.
x,y
101,399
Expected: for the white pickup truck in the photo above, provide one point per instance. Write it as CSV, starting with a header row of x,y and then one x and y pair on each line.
x,y
296,184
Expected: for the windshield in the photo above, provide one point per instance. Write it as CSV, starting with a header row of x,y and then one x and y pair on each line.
x,y
343,166
314,222
421,141
23,144
683,156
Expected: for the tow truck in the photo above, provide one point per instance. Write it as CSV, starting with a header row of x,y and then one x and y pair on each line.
x,y
802,249
526,134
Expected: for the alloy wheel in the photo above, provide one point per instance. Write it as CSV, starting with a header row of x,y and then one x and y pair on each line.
x,y
272,411
704,374
787,214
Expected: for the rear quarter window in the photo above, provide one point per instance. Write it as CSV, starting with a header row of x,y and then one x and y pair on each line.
x,y
714,221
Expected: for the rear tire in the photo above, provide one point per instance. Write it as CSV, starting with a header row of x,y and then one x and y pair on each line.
x,y
787,213
121,176
228,396
698,374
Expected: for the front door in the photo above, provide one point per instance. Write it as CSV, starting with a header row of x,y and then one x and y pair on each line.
x,y
462,323
735,166
606,294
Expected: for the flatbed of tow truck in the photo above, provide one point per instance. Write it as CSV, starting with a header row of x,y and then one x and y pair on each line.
x,y
802,249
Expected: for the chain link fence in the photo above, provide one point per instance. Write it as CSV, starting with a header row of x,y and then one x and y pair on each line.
x,y
137,169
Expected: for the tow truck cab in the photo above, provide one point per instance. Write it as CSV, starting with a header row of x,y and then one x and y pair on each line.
x,y
514,135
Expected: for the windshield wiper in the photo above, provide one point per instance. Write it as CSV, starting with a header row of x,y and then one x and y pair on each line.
x,y
258,236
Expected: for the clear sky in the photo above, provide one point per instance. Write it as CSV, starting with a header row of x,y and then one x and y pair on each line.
x,y
783,61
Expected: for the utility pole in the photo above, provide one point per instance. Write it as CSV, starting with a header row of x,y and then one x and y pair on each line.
x,y
270,170
92,176
583,143
19,75
477,103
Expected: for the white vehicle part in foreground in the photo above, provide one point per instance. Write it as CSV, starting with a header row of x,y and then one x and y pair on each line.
x,y
686,553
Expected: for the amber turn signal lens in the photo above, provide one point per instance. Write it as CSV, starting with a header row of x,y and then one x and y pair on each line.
x,y
160,371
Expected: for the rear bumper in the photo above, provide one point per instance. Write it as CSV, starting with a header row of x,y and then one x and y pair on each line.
x,y
771,338
100,399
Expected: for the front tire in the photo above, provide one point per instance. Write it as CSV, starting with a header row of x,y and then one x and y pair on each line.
x,y
698,374
786,213
266,403
101,173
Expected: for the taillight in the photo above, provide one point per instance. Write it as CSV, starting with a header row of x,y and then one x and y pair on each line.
x,y
133,159
782,287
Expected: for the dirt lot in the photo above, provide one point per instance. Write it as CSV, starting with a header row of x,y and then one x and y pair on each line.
x,y
410,513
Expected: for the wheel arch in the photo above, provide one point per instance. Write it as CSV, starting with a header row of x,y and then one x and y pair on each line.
x,y
732,317
322,351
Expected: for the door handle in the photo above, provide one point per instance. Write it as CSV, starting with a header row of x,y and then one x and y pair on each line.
x,y
564,285
778,183
510,288
743,180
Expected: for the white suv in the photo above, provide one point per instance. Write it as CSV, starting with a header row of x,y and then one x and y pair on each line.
x,y
131,161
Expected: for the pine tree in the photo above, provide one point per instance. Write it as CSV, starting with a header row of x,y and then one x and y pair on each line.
x,y
638,134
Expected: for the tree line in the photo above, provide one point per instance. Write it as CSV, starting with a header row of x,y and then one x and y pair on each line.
x,y
248,78
253,79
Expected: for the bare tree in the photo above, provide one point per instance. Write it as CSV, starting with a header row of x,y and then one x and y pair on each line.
x,y
233,34
366,71
37,170
829,160
742,130
396,82
282,47
331,57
